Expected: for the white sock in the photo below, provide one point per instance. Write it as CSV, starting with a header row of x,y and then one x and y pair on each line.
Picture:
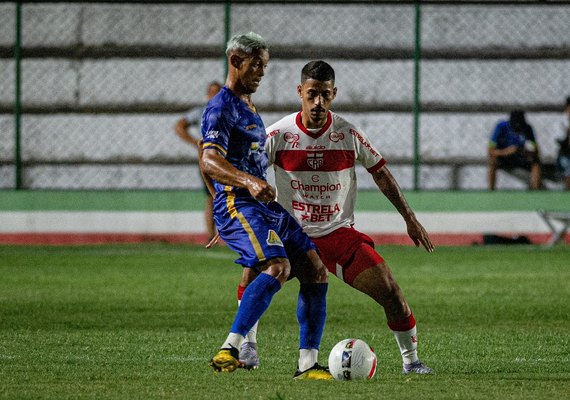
x,y
233,340
307,358
408,343
251,336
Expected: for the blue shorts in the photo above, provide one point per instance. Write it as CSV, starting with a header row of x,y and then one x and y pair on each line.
x,y
258,232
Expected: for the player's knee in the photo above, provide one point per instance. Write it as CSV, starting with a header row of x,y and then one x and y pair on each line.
x,y
279,268
247,276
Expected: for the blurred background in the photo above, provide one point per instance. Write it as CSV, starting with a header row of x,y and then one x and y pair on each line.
x,y
90,91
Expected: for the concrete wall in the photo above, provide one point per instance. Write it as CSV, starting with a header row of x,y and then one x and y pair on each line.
x,y
85,82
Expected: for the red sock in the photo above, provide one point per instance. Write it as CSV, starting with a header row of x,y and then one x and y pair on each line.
x,y
240,291
403,325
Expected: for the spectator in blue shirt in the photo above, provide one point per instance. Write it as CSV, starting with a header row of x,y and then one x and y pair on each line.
x,y
513,145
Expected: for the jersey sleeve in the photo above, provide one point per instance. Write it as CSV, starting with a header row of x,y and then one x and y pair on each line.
x,y
494,138
270,144
366,153
216,129
530,134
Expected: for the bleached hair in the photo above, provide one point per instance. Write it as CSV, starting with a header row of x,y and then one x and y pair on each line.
x,y
246,42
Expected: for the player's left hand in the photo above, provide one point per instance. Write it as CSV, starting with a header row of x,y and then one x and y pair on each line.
x,y
419,235
213,240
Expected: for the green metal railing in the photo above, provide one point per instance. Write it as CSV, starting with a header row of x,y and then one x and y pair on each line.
x,y
421,47
18,98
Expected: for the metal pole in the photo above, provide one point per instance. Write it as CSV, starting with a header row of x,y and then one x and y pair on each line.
x,y
17,98
417,61
227,33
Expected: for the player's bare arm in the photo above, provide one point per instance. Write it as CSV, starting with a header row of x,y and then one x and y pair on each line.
x,y
210,185
181,129
508,151
214,165
390,188
207,180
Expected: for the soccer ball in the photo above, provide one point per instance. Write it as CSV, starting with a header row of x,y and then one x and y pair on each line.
x,y
352,359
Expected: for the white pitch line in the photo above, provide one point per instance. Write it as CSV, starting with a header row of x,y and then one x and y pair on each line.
x,y
180,222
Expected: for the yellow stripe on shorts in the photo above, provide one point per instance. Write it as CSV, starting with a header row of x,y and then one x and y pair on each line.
x,y
252,238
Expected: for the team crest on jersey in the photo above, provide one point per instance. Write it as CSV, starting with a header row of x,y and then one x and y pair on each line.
x,y
273,238
336,136
315,159
254,146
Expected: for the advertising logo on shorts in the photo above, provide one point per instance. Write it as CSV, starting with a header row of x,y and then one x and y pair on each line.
x,y
273,239
315,159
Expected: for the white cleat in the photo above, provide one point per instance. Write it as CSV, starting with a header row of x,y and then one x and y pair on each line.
x,y
248,356
417,368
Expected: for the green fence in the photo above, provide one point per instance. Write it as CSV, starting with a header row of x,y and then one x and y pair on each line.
x,y
89,92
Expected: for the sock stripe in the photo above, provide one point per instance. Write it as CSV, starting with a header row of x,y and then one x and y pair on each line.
x,y
403,325
240,290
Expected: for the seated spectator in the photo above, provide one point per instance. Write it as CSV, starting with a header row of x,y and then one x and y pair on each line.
x,y
513,145
563,140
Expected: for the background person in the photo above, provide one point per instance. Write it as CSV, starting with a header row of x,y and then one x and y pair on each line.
x,y
563,139
513,145
184,128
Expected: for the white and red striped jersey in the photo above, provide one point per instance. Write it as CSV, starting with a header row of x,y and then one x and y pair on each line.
x,y
315,170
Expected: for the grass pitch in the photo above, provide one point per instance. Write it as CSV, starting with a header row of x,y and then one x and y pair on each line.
x,y
142,321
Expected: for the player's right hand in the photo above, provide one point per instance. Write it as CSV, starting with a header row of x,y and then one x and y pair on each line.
x,y
261,190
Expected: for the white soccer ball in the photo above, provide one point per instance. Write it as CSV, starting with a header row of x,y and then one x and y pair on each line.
x,y
352,359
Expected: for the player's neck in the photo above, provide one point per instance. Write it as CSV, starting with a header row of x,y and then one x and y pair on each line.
x,y
310,124
238,91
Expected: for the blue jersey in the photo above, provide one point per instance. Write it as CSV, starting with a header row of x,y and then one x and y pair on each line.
x,y
505,136
255,230
238,133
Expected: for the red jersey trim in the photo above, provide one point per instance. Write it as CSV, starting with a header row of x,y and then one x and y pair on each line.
x,y
315,135
377,167
314,160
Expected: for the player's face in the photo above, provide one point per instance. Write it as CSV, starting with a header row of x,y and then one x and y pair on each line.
x,y
252,69
316,99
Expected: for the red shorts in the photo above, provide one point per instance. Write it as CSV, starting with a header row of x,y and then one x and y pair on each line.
x,y
347,252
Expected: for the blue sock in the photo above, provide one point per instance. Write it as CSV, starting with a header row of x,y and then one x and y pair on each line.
x,y
311,314
255,300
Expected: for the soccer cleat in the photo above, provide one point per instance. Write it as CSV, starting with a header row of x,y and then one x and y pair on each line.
x,y
417,368
316,372
226,360
248,356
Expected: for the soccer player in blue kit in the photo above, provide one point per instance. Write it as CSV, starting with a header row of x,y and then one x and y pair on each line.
x,y
266,237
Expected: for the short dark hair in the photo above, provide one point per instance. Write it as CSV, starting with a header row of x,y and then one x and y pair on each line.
x,y
517,121
318,70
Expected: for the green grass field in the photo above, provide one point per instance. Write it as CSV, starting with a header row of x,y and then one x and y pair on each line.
x,y
141,321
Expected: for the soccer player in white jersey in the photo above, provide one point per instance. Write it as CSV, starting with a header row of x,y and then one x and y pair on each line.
x,y
314,153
